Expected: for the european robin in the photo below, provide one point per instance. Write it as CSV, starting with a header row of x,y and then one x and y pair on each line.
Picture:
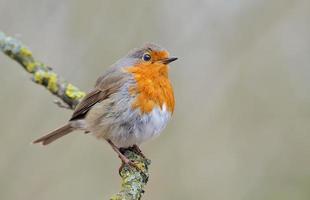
x,y
131,102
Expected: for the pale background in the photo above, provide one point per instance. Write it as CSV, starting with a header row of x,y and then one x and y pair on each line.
x,y
242,85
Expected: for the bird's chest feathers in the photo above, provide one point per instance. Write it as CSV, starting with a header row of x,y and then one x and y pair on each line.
x,y
152,89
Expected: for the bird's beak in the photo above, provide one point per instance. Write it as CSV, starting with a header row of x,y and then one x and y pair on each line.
x,y
168,60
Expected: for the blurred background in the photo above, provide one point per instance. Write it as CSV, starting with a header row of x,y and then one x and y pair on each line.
x,y
242,86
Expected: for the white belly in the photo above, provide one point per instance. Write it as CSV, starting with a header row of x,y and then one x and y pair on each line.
x,y
130,127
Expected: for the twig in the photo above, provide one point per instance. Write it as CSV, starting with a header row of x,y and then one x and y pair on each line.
x,y
133,180
60,104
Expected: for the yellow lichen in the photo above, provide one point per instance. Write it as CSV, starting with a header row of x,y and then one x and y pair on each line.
x,y
52,82
30,67
25,52
140,166
50,77
39,76
73,92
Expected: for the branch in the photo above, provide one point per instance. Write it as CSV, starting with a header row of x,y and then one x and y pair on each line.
x,y
133,180
41,73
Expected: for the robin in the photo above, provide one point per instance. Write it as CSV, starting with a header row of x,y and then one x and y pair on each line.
x,y
131,102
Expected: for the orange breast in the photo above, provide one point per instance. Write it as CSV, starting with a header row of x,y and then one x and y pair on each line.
x,y
153,87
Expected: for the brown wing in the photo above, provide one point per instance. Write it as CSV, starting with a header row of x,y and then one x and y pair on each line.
x,y
106,85
88,101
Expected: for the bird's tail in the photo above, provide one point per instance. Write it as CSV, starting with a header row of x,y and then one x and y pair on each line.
x,y
51,137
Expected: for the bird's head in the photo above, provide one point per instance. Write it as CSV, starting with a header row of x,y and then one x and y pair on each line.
x,y
149,57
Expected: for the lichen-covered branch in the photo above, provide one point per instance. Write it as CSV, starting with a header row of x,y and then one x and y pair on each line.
x,y
133,180
42,74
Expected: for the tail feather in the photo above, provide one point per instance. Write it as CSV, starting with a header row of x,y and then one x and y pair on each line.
x,y
51,137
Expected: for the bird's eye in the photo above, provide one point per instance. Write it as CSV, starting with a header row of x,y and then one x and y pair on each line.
x,y
146,57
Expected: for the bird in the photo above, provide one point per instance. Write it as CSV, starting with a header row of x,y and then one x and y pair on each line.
x,y
131,102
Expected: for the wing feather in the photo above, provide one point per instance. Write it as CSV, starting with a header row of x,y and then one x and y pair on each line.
x,y
105,86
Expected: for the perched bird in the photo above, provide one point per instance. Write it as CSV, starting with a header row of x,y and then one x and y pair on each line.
x,y
131,102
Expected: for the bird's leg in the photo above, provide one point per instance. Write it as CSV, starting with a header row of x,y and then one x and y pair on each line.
x,y
124,159
120,155
138,150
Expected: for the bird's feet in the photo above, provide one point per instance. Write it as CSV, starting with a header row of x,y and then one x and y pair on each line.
x,y
123,158
137,149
